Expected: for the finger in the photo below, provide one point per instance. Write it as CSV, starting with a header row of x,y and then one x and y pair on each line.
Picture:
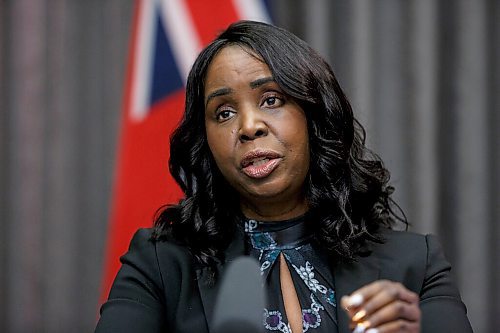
x,y
351,303
360,296
397,310
366,292
393,292
398,326
408,295
359,328
354,303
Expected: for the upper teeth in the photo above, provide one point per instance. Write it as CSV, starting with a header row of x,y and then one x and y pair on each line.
x,y
260,162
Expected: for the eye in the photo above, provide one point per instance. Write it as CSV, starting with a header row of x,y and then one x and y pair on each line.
x,y
272,101
224,114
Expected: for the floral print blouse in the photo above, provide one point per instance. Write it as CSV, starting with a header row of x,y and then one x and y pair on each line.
x,y
308,266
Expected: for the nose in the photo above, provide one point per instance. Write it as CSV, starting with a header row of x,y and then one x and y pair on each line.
x,y
252,125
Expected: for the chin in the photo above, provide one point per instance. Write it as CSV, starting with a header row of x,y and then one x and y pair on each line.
x,y
266,191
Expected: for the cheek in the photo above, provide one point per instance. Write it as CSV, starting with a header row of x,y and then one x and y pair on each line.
x,y
302,155
297,136
299,147
220,147
216,149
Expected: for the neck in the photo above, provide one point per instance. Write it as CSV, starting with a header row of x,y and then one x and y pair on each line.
x,y
274,211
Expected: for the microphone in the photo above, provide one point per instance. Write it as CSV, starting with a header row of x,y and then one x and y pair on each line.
x,y
240,304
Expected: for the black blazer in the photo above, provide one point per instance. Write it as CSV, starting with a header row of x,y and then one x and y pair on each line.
x,y
159,289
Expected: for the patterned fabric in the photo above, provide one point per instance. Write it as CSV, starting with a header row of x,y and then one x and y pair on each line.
x,y
308,267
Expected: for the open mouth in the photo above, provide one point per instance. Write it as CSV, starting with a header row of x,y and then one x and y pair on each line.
x,y
260,164
257,162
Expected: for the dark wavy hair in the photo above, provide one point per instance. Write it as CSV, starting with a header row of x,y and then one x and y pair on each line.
x,y
347,185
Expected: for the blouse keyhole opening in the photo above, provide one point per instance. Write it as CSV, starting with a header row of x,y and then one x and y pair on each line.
x,y
290,299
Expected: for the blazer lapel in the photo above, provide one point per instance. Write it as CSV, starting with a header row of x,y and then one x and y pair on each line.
x,y
209,292
350,277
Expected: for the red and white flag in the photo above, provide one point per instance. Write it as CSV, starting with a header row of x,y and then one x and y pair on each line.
x,y
167,36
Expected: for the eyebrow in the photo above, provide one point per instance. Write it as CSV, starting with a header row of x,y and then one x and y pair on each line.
x,y
257,83
218,92
225,91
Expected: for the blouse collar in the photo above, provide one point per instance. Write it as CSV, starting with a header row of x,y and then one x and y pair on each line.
x,y
287,234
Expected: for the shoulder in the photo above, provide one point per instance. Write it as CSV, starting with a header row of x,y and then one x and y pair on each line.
x,y
419,263
417,259
153,278
407,243
396,237
401,247
164,251
165,264
410,245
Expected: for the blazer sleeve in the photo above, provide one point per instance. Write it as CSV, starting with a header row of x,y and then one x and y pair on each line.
x,y
135,301
442,308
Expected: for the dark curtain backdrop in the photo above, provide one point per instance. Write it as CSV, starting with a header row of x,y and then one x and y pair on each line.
x,y
422,75
62,77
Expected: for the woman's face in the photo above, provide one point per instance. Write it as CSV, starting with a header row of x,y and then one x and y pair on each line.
x,y
257,135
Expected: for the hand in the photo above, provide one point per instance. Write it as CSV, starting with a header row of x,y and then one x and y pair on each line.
x,y
383,307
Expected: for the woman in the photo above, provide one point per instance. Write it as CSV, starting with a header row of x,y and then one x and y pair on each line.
x,y
273,165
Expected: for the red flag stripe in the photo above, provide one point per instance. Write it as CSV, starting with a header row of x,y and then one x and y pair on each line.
x,y
142,183
211,17
110,263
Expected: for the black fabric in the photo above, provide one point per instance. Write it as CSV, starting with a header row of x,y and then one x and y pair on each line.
x,y
160,289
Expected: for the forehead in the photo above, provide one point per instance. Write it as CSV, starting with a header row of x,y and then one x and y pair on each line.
x,y
235,60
